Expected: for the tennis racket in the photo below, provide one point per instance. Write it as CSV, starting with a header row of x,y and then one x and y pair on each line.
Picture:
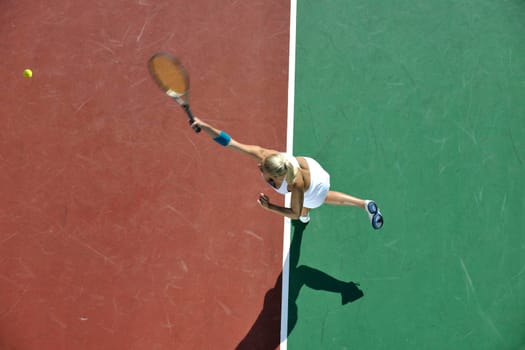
x,y
171,76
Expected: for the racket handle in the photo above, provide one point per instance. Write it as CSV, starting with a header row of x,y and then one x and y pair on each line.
x,y
196,128
191,118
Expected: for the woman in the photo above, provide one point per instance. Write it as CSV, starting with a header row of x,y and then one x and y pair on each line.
x,y
307,181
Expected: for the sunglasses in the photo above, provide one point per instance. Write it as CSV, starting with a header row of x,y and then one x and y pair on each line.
x,y
270,181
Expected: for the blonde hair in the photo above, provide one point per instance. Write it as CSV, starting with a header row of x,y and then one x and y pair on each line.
x,y
278,165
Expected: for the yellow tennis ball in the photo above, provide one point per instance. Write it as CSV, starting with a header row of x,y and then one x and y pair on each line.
x,y
28,73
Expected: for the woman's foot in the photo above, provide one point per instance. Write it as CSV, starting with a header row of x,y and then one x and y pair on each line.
x,y
305,218
374,215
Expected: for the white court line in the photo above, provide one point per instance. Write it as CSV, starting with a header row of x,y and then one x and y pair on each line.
x,y
289,149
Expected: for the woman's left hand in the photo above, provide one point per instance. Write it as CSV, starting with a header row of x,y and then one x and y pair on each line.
x,y
264,201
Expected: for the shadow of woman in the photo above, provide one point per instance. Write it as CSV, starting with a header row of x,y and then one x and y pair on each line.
x,y
264,334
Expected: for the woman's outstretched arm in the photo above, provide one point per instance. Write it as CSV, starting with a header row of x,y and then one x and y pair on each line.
x,y
255,152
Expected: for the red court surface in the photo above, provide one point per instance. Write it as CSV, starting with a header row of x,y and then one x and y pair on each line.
x,y
120,228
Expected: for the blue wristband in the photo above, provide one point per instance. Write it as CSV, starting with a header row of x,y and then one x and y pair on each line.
x,y
223,139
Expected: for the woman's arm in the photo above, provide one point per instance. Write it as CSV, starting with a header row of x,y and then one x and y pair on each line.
x,y
256,152
296,205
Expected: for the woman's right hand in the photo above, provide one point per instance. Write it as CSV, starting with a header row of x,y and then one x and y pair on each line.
x,y
207,128
197,123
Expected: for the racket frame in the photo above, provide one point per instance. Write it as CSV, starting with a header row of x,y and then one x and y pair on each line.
x,y
182,98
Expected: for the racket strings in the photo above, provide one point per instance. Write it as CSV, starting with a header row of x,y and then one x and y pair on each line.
x,y
170,75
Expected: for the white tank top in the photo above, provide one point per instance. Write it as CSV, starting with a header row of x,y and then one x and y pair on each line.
x,y
315,194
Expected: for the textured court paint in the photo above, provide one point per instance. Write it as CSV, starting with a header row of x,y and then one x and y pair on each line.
x,y
120,228
419,105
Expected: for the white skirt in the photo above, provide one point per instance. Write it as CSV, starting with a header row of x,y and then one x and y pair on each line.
x,y
316,194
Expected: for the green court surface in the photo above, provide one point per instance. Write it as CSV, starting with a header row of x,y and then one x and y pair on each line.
x,y
420,106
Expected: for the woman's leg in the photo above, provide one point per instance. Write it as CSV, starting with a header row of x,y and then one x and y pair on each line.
x,y
339,198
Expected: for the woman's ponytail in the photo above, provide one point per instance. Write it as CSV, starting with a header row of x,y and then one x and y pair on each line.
x,y
291,171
